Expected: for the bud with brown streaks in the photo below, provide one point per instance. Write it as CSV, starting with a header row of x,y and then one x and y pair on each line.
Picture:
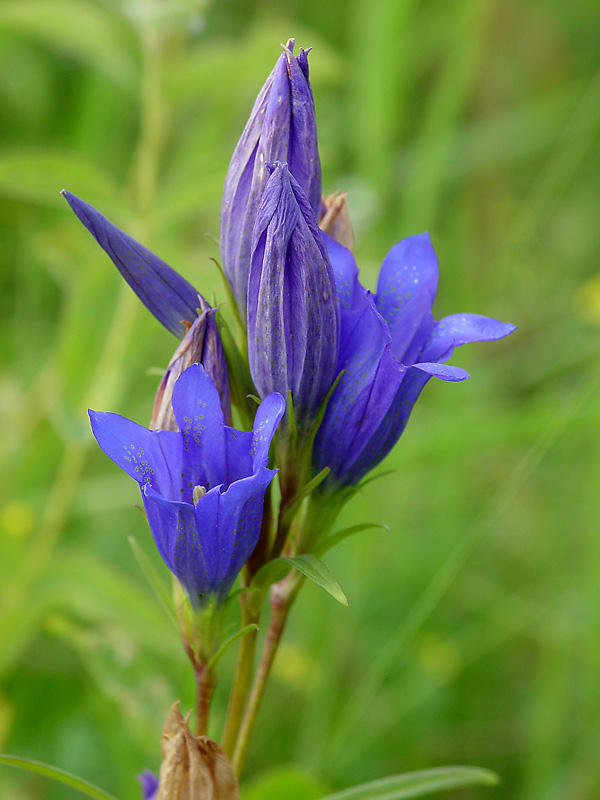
x,y
335,219
200,345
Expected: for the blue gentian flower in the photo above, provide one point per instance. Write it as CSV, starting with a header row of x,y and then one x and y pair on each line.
x,y
281,127
149,783
390,347
171,299
293,311
203,486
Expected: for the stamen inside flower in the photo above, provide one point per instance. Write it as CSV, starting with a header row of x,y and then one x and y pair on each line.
x,y
199,491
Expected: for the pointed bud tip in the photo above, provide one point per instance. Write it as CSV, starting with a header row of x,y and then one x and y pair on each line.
x,y
275,166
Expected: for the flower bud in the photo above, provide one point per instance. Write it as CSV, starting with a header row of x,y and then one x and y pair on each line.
x,y
193,767
293,310
281,127
201,344
335,219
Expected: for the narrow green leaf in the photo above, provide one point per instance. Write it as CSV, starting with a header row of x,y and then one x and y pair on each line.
x,y
228,642
154,579
316,571
309,565
339,536
231,299
418,784
271,572
56,774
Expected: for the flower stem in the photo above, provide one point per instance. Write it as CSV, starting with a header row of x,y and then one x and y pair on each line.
x,y
282,597
242,679
205,687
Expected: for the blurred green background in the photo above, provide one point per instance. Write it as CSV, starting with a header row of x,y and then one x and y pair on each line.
x,y
473,631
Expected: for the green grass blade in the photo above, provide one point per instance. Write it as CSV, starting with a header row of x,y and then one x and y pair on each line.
x,y
418,784
339,536
56,774
153,578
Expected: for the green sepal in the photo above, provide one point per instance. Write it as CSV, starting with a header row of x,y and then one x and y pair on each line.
x,y
339,536
229,641
323,407
237,592
160,588
292,418
309,565
372,478
231,298
418,784
85,787
304,492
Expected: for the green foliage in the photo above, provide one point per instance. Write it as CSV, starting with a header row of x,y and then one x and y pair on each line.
x,y
475,624
418,784
58,775
309,565
293,784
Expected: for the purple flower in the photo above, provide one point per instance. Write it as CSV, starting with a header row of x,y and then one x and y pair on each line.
x,y
203,486
390,347
293,310
281,127
200,345
149,783
163,291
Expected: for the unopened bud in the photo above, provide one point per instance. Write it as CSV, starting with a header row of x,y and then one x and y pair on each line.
x,y
293,309
201,344
282,127
335,219
193,767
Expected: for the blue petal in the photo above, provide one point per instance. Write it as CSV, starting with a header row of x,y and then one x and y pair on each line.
x,y
266,421
199,417
458,329
442,371
162,290
235,529
147,456
371,377
246,452
178,540
345,271
238,454
406,290
149,783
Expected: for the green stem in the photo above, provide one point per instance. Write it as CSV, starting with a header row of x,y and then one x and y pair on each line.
x,y
243,676
205,686
281,601
317,518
